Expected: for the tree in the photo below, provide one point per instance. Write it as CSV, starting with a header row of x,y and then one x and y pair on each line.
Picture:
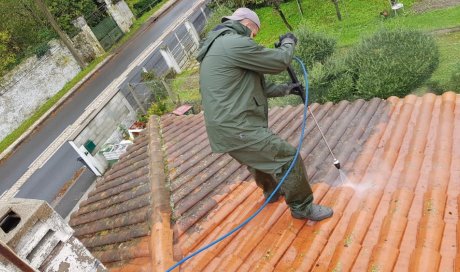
x,y
7,56
299,5
277,6
25,25
337,10
61,34
65,11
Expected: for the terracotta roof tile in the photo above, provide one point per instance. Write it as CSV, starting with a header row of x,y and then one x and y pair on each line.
x,y
117,221
398,209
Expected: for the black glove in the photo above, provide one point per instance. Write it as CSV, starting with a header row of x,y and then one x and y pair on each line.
x,y
288,38
293,88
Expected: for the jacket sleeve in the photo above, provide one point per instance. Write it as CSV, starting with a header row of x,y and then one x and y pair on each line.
x,y
274,90
243,52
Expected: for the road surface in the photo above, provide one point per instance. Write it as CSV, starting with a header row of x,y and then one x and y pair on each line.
x,y
49,179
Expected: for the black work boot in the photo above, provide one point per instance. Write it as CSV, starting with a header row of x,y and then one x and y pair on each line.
x,y
313,212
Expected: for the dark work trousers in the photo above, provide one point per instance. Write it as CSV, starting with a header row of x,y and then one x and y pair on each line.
x,y
268,161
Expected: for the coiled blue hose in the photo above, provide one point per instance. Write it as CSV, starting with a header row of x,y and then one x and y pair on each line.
x,y
304,122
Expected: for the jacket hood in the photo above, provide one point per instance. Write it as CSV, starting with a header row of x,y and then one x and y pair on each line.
x,y
229,26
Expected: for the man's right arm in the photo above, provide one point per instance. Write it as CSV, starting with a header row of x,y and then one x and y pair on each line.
x,y
247,54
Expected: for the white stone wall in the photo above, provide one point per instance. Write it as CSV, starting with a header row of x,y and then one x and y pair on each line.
x,y
31,83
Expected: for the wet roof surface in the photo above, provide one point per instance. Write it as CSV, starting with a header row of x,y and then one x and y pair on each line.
x,y
396,210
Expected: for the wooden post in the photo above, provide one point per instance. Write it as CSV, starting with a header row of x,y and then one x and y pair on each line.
x,y
138,102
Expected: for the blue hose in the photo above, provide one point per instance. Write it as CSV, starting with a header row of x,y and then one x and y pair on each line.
x,y
304,121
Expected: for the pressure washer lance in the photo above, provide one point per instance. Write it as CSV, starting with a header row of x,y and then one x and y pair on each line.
x,y
294,80
299,90
302,95
336,161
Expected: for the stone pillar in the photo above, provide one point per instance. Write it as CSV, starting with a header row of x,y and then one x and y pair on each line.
x,y
170,60
86,42
121,13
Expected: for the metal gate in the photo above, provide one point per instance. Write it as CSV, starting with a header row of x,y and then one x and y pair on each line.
x,y
107,32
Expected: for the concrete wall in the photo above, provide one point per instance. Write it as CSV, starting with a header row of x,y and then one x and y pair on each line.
x,y
43,239
33,82
101,128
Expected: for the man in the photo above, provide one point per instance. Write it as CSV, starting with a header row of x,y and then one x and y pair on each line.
x,y
234,97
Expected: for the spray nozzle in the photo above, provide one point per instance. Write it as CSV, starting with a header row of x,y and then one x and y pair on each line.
x,y
337,164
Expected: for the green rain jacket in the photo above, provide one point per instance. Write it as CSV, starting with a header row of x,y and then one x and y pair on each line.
x,y
232,85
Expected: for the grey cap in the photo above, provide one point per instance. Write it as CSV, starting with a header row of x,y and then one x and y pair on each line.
x,y
243,13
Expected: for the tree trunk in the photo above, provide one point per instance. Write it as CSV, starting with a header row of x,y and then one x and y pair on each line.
x,y
337,10
41,4
299,5
280,12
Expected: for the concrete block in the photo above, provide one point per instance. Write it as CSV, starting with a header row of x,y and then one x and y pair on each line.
x,y
39,236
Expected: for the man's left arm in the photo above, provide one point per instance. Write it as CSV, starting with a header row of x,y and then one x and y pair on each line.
x,y
277,90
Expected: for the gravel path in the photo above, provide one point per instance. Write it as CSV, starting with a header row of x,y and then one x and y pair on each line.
x,y
425,5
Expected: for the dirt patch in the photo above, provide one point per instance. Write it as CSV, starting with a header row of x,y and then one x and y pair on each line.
x,y
446,30
426,5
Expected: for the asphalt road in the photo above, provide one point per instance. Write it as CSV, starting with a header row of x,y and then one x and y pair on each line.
x,y
46,181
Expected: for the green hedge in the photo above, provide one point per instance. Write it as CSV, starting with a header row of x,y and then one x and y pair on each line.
x,y
313,47
390,63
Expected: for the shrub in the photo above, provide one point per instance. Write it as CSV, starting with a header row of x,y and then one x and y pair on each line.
x,y
159,108
331,82
143,6
234,4
454,81
155,84
434,86
391,63
8,56
313,47
42,49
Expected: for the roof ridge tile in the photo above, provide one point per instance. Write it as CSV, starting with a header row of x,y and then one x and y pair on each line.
x,y
161,235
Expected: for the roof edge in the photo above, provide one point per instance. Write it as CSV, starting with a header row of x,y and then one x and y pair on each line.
x,y
161,235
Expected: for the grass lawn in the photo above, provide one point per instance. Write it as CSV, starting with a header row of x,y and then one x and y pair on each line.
x,y
10,138
360,18
186,86
449,47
